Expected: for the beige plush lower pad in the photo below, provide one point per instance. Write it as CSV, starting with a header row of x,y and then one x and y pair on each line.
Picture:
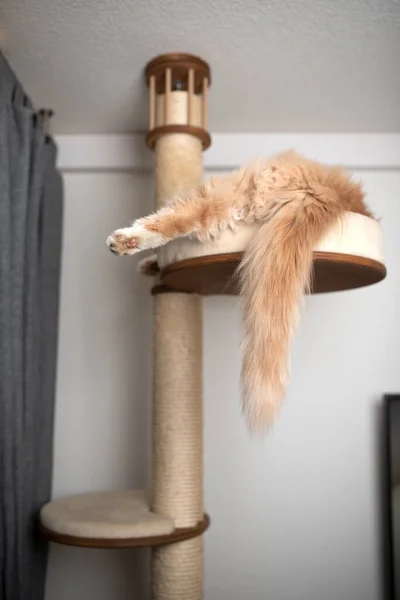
x,y
355,234
111,515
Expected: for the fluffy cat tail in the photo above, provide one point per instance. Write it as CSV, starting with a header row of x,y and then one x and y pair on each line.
x,y
275,273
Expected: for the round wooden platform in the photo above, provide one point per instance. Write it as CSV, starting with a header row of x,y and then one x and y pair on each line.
x,y
178,535
215,274
119,519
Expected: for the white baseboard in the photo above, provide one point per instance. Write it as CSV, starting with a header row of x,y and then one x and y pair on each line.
x,y
229,150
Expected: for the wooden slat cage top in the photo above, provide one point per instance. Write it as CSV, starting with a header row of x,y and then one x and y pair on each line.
x,y
180,64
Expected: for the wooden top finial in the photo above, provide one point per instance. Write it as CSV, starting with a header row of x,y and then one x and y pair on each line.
x,y
178,97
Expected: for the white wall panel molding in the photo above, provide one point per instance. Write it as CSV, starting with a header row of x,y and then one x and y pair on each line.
x,y
228,150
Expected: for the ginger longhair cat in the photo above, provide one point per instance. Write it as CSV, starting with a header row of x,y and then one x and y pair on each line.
x,y
296,201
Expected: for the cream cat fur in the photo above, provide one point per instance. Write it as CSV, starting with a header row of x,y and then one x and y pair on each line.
x,y
296,200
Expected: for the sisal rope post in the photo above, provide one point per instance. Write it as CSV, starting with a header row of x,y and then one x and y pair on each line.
x,y
177,486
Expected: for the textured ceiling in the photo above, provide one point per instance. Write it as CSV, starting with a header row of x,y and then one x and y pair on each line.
x,y
277,65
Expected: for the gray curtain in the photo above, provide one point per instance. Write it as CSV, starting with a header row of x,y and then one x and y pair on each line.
x,y
30,241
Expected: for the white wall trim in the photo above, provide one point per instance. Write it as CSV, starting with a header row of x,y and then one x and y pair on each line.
x,y
228,150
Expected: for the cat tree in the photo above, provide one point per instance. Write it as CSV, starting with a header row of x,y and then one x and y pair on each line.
x,y
171,518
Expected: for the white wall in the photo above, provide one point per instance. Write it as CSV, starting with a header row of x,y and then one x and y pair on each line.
x,y
102,434
295,517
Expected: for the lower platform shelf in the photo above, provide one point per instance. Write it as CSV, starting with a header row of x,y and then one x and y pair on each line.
x,y
111,520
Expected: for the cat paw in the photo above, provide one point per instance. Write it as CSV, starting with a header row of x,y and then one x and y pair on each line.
x,y
133,239
122,241
149,266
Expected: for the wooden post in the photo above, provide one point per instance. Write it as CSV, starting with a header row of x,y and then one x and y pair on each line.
x,y
152,121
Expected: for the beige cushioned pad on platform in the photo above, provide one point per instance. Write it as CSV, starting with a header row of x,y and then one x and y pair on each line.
x,y
355,234
110,515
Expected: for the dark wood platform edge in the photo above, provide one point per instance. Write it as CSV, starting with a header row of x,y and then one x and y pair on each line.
x,y
233,259
153,135
178,535
161,289
236,257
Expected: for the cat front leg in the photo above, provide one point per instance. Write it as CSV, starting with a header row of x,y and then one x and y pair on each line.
x,y
203,214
